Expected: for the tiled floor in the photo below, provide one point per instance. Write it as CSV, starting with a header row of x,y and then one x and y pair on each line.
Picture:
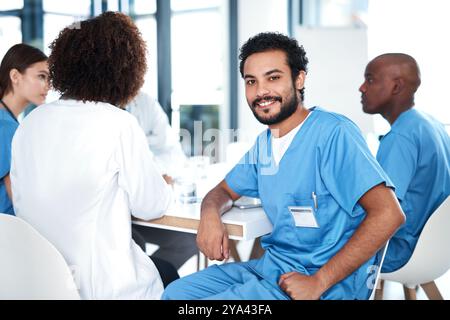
x,y
392,290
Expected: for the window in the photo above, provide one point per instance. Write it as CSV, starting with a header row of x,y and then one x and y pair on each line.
x,y
335,13
144,7
71,8
199,43
183,5
10,24
147,26
199,120
60,14
53,24
196,119
197,52
11,5
113,5
10,33
143,13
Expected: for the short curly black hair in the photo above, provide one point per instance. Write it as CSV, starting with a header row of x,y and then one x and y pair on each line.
x,y
101,59
268,41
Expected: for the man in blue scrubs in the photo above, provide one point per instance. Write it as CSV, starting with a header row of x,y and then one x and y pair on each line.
x,y
415,153
330,203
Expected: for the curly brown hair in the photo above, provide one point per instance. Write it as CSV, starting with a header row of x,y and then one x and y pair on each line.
x,y
101,59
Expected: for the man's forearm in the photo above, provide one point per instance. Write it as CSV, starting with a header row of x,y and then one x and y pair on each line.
x,y
217,200
366,241
384,217
212,237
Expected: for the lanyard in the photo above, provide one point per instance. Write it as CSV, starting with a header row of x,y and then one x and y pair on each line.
x,y
9,111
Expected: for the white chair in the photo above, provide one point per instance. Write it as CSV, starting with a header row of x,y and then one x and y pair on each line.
x,y
377,269
30,266
430,259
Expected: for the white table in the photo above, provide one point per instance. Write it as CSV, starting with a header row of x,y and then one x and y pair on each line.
x,y
241,224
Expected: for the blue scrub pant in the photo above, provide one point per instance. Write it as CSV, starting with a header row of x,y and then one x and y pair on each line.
x,y
230,281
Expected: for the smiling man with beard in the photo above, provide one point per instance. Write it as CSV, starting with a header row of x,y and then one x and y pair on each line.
x,y
331,205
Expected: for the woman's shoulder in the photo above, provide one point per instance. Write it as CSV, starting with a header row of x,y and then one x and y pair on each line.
x,y
7,125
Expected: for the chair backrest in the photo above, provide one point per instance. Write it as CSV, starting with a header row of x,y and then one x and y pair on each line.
x,y
376,281
431,257
30,266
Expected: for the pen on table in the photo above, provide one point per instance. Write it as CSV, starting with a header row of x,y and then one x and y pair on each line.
x,y
315,200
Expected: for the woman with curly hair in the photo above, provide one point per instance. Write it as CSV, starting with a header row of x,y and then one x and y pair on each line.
x,y
81,165
23,80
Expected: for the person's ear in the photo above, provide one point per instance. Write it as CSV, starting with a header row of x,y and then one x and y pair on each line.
x,y
15,76
399,84
300,80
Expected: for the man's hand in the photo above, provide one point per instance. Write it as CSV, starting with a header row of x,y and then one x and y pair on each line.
x,y
384,216
168,179
301,287
212,237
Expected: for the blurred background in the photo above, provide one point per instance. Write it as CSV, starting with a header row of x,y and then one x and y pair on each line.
x,y
193,53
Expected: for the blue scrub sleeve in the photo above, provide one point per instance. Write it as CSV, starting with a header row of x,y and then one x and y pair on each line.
x,y
348,169
7,130
243,178
398,157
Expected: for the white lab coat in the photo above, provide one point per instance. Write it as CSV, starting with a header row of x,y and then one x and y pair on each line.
x,y
78,171
161,138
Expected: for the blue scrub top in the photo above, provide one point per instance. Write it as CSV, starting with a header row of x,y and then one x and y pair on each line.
x,y
8,127
329,157
416,156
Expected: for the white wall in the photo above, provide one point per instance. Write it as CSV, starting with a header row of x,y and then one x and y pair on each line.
x,y
337,59
257,16
421,29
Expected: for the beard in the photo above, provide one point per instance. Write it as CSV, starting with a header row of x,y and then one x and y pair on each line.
x,y
287,108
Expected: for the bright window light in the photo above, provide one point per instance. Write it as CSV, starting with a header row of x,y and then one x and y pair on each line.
x,y
144,6
147,26
76,8
10,33
181,5
420,29
53,24
11,5
197,52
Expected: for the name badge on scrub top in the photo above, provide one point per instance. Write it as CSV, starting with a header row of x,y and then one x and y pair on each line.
x,y
304,217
